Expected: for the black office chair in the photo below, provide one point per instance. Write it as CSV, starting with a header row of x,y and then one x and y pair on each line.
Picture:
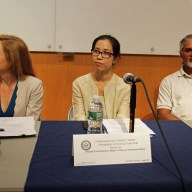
x,y
70,114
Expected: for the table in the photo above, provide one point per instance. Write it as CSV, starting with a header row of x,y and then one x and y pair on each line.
x,y
15,157
52,169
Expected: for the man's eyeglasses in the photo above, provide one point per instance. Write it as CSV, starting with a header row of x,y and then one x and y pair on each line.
x,y
187,50
104,54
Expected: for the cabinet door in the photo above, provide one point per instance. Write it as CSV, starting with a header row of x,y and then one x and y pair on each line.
x,y
141,26
31,20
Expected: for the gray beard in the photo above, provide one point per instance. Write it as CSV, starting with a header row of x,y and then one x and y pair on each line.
x,y
188,64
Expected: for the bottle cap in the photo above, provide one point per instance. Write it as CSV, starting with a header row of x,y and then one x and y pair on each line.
x,y
96,97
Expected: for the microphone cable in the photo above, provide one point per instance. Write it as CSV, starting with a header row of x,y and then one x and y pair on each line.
x,y
164,138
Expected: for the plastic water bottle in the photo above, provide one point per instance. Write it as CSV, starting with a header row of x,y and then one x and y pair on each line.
x,y
95,116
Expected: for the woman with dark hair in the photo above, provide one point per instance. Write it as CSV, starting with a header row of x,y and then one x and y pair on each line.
x,y
20,91
114,93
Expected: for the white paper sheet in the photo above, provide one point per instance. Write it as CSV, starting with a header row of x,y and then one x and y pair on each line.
x,y
122,126
188,122
17,126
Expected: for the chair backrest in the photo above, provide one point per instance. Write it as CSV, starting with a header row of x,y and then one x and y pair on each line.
x,y
70,114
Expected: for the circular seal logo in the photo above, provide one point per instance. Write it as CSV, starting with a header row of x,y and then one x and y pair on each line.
x,y
86,145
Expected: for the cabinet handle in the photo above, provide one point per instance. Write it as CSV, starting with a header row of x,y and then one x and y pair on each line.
x,y
49,46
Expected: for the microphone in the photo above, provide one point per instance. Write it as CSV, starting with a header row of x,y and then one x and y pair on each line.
x,y
129,78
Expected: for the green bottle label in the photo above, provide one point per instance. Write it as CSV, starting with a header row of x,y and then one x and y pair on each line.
x,y
96,116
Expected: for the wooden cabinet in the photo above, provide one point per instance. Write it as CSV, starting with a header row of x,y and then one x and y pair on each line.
x,y
142,27
33,21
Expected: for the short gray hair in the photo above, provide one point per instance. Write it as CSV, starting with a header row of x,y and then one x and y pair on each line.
x,y
186,38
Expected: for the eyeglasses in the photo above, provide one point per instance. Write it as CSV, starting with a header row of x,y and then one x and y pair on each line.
x,y
104,54
187,50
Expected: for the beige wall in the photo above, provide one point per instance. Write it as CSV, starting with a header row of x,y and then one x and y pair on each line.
x,y
57,71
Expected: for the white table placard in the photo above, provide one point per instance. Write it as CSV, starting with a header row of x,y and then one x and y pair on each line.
x,y
105,149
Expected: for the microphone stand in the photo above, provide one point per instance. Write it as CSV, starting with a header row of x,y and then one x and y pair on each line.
x,y
132,108
185,189
133,80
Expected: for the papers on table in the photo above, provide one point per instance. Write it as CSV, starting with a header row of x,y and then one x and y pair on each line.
x,y
17,126
122,126
188,122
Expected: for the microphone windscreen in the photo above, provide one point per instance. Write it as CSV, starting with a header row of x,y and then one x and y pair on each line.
x,y
128,78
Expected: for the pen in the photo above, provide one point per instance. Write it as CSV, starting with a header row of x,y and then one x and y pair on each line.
x,y
1,129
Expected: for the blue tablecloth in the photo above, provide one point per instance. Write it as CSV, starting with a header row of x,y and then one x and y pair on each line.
x,y
52,170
